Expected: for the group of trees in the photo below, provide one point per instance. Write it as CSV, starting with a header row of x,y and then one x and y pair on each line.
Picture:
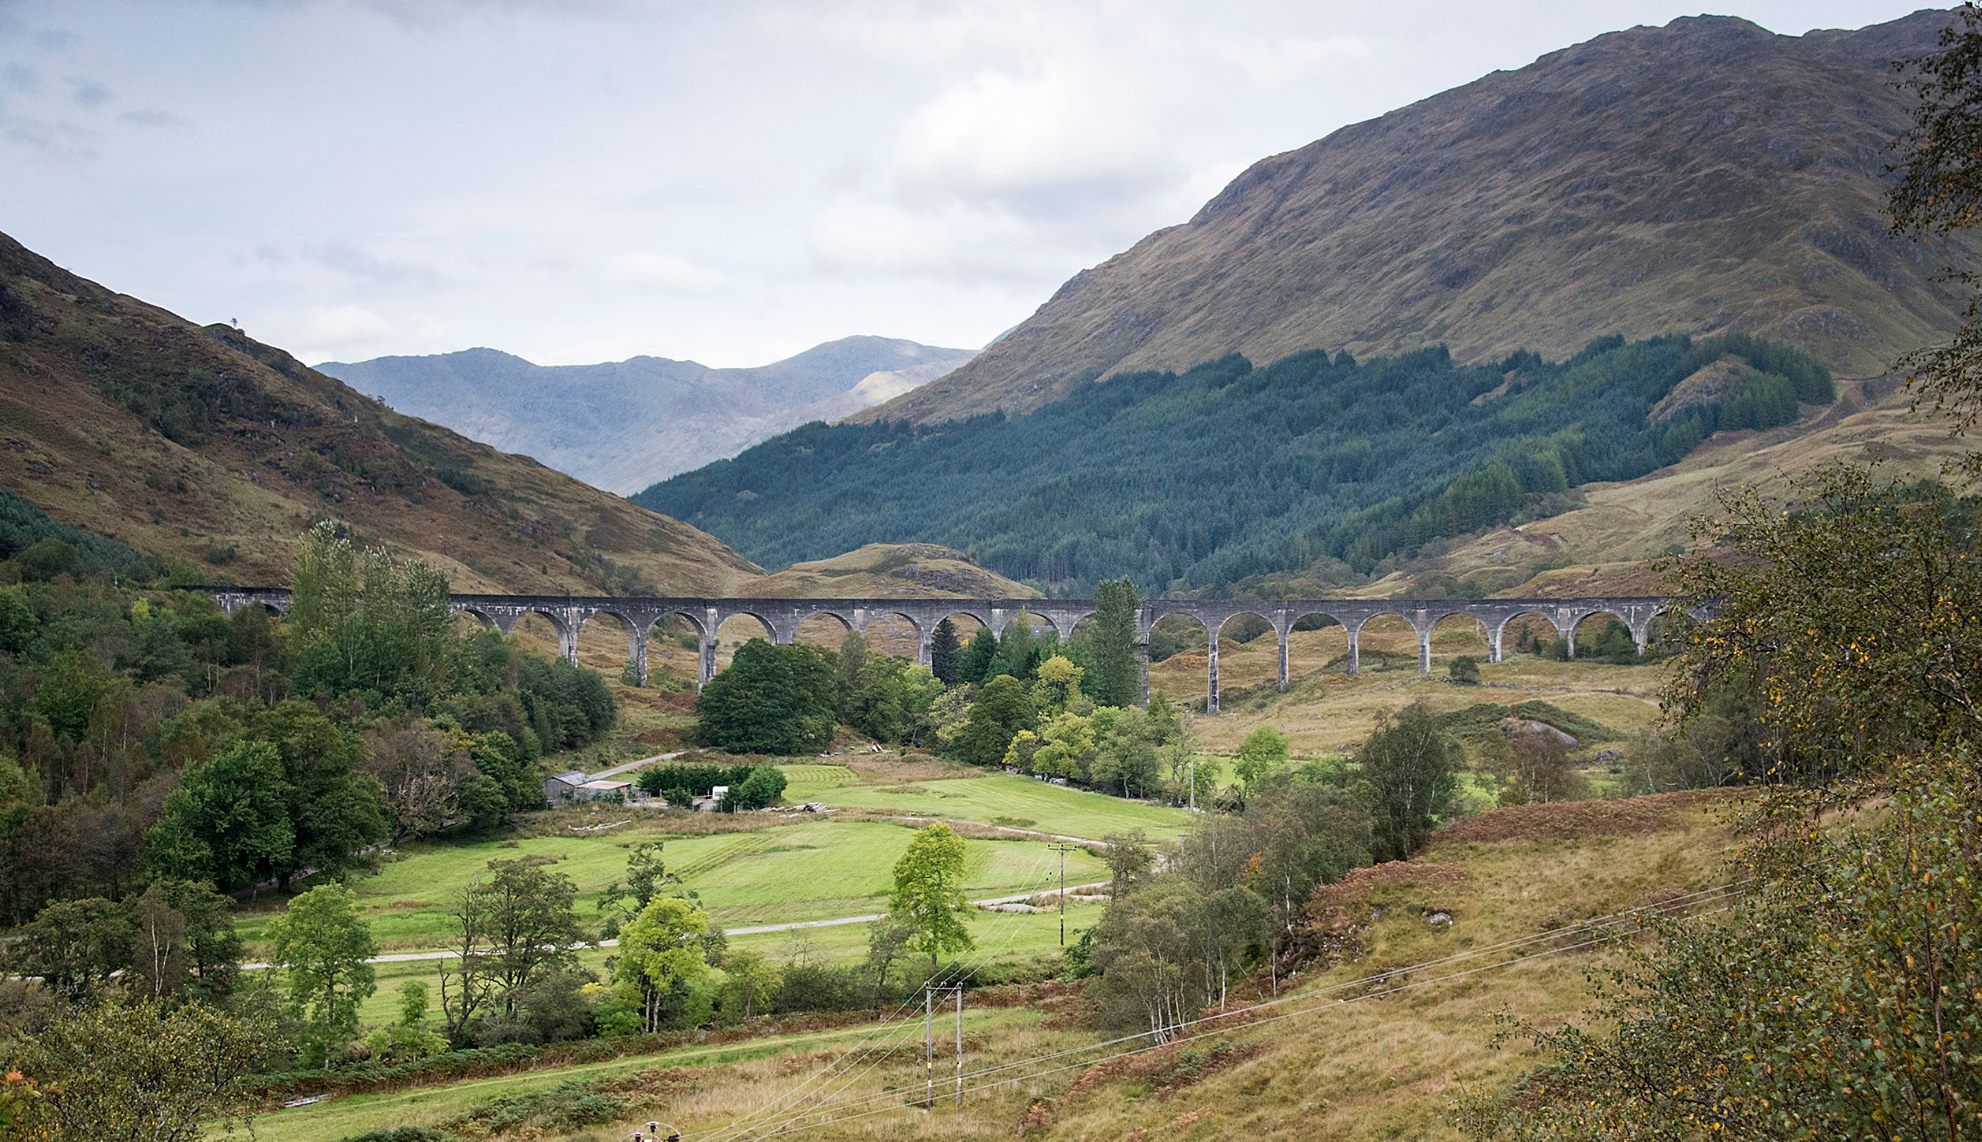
x,y
146,734
1312,458
157,754
1228,902
749,786
1020,698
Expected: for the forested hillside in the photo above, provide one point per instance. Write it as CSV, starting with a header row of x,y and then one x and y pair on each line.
x,y
1702,177
1204,478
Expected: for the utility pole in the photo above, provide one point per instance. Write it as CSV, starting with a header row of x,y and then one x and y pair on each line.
x,y
1063,847
929,1042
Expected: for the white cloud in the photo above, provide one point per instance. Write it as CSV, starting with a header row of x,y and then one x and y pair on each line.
x,y
652,269
1286,58
1020,137
864,234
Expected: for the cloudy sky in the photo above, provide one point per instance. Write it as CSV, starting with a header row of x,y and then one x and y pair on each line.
x,y
585,180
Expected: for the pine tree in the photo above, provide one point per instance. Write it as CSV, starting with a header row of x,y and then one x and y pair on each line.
x,y
946,654
980,658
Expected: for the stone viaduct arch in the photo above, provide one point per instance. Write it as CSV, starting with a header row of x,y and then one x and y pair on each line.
x,y
781,617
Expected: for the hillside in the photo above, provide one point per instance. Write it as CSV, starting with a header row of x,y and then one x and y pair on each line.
x,y
1701,177
1325,468
888,570
198,443
1600,544
624,424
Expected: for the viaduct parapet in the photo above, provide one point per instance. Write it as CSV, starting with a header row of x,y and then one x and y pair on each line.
x,y
638,615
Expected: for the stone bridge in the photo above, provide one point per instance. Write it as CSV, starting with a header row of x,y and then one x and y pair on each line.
x,y
781,617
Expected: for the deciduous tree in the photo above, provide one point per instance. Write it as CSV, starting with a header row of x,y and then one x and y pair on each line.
x,y
323,947
1263,751
151,1069
660,954
515,926
227,823
771,699
1409,771
928,894
1003,708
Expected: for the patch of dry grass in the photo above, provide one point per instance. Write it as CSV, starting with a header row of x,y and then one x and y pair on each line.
x,y
1326,710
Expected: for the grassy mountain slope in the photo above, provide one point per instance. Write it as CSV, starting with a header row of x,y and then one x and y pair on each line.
x,y
127,421
1600,546
1700,177
624,424
888,570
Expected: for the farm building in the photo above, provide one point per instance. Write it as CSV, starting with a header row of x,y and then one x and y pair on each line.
x,y
571,787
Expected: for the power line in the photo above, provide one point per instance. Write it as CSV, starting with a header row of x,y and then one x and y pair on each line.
x,y
752,1120
1210,1033
1598,924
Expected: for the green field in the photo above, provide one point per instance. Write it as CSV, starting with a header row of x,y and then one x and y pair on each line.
x,y
1002,938
988,798
808,870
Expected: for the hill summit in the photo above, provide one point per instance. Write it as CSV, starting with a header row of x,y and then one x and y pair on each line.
x,y
1703,177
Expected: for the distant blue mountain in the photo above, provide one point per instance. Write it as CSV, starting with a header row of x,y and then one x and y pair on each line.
x,y
623,425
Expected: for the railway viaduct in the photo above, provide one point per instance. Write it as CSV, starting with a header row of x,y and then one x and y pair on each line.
x,y
781,617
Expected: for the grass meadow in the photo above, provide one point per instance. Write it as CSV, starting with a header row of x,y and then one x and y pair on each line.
x,y
988,798
810,869
1378,1066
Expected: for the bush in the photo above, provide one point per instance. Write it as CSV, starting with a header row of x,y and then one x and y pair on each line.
x,y
403,1134
566,1106
1466,670
760,789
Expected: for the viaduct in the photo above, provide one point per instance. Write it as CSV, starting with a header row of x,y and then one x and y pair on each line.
x,y
639,614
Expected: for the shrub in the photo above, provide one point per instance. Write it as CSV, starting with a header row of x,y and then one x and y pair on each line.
x,y
1466,670
563,1107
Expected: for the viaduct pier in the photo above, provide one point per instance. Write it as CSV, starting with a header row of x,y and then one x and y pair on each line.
x,y
638,615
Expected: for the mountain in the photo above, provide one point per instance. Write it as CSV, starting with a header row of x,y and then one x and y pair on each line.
x,y
625,424
1322,465
1701,177
124,420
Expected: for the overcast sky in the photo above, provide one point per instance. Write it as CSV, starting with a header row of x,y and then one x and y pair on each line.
x,y
732,182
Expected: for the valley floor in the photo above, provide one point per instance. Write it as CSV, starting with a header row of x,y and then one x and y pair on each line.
x,y
1493,911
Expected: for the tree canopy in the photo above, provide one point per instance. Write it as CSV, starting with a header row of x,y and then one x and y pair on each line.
x,y
770,699
928,896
